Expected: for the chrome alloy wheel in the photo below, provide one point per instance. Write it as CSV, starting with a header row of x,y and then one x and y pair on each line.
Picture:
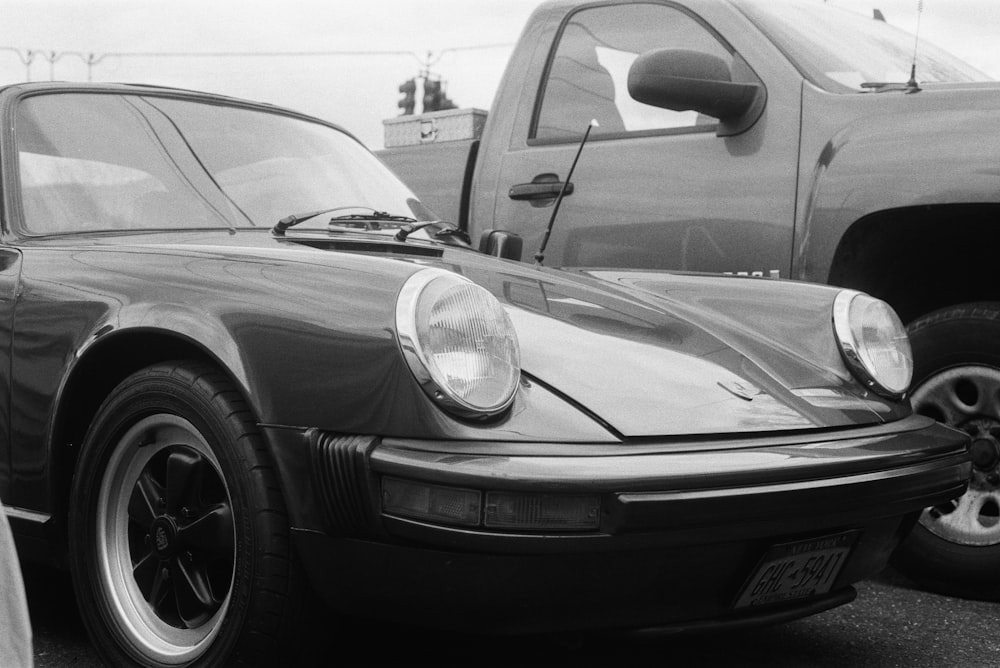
x,y
968,398
166,546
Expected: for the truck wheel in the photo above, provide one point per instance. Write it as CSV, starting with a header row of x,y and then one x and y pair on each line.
x,y
955,547
178,537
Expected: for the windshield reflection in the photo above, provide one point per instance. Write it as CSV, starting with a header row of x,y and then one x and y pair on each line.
x,y
840,50
145,162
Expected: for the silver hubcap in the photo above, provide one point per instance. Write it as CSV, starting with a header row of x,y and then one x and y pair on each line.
x,y
166,539
968,398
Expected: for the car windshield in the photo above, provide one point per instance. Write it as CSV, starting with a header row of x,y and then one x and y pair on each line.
x,y
840,50
151,163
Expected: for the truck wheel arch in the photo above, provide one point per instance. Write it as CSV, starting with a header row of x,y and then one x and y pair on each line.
x,y
921,258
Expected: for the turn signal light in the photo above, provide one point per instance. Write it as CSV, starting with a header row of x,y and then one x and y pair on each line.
x,y
536,512
435,503
512,511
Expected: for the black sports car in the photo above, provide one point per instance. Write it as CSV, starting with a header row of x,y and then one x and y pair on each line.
x,y
238,355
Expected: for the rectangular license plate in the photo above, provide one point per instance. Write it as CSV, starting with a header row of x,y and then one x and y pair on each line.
x,y
797,570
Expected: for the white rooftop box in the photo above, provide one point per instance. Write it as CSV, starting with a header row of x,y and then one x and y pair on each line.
x,y
434,127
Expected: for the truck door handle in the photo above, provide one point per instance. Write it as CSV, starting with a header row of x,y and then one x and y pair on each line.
x,y
538,190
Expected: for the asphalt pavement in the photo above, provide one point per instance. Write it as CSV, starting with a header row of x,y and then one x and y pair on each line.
x,y
892,624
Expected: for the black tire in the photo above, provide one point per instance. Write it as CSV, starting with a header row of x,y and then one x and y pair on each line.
x,y
955,547
179,540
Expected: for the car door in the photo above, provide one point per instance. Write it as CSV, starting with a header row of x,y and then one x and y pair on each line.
x,y
10,263
653,188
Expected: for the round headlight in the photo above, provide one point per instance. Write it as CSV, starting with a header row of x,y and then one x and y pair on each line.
x,y
459,342
873,342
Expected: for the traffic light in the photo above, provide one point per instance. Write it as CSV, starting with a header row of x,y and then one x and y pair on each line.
x,y
435,99
432,91
408,88
444,103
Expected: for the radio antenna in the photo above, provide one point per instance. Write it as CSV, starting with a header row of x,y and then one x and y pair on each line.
x,y
912,83
540,255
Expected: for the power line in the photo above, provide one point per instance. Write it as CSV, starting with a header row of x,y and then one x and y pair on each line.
x,y
27,56
251,54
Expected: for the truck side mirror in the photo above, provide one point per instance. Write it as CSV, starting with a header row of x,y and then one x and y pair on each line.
x,y
499,243
685,80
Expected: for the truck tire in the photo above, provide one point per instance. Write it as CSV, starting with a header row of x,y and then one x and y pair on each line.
x,y
955,548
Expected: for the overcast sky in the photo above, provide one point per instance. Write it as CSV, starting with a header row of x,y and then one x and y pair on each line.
x,y
467,43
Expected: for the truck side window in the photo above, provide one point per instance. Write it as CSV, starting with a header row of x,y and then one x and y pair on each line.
x,y
588,73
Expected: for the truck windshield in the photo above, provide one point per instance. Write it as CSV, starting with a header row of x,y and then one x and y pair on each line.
x,y
840,50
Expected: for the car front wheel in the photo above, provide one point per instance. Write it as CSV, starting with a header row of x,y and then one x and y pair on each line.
x,y
955,547
178,538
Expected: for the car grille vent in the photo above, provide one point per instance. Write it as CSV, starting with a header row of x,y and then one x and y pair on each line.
x,y
340,475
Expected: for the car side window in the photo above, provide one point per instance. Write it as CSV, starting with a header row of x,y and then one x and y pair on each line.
x,y
588,73
113,166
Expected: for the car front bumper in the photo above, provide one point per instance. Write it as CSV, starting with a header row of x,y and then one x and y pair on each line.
x,y
682,526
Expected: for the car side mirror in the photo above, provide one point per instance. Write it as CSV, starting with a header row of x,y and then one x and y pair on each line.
x,y
685,80
502,244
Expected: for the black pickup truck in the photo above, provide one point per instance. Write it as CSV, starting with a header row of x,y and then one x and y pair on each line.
x,y
782,140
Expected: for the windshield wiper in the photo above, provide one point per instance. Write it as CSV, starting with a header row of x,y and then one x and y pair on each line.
x,y
886,86
371,221
375,215
448,230
376,220
910,86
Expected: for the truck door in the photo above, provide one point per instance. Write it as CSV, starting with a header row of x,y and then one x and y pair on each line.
x,y
653,188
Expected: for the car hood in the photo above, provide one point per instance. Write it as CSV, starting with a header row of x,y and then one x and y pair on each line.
x,y
655,354
645,354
